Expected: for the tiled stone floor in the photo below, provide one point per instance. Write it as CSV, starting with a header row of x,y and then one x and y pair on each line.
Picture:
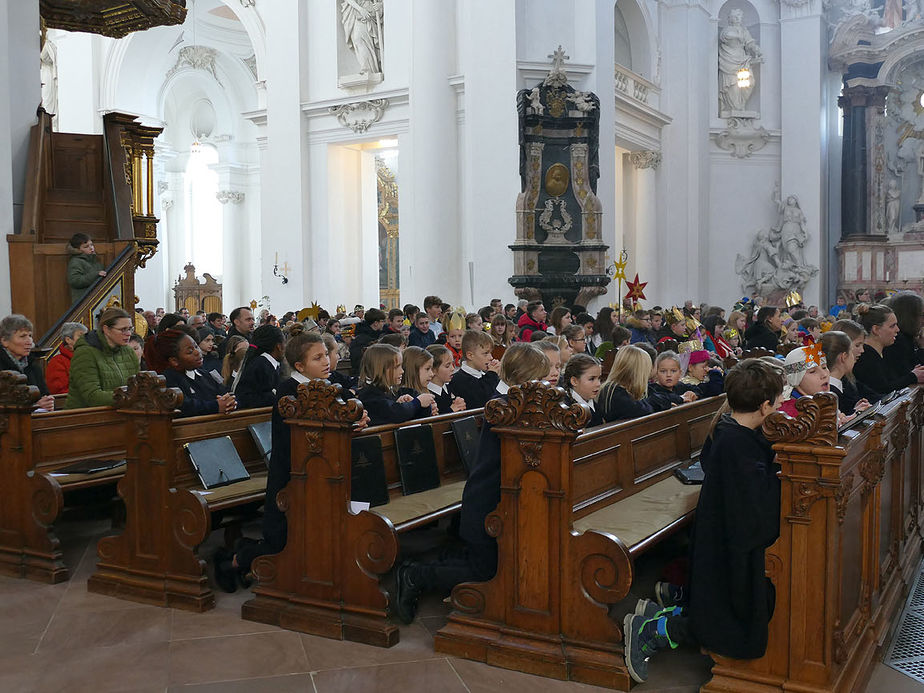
x,y
61,638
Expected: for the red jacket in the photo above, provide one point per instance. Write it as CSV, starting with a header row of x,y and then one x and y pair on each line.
x,y
58,371
527,326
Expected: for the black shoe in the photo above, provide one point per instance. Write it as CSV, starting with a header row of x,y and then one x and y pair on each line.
x,y
406,593
225,572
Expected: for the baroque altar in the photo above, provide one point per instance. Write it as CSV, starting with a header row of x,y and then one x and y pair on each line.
x,y
559,251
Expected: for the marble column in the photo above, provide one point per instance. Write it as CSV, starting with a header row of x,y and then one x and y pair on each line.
x,y
646,163
859,104
20,95
428,178
231,271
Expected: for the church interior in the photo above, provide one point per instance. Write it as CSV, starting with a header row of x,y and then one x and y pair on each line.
x,y
547,257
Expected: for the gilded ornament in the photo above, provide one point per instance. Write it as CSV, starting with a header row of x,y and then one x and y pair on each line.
x,y
556,180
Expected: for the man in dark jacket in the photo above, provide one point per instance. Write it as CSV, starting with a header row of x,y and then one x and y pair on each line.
x,y
533,319
241,324
367,332
731,600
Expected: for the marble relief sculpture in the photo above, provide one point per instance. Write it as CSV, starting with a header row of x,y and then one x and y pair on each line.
x,y
49,73
737,50
362,29
893,206
776,264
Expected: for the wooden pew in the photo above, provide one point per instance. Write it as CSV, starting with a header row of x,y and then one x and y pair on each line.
x,y
849,546
326,580
168,514
35,447
568,530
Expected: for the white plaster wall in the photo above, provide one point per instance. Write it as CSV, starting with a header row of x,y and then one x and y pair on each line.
x,y
81,58
20,95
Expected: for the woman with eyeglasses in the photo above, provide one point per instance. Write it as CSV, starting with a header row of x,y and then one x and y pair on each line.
x,y
577,339
102,361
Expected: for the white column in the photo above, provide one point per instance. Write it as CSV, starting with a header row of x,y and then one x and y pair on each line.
x,y
804,139
80,71
429,246
20,95
284,198
645,260
231,237
683,195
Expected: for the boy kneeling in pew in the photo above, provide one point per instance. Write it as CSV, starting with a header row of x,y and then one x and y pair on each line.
x,y
521,363
308,356
729,603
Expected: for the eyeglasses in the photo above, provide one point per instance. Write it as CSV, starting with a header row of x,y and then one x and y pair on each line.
x,y
123,330
584,340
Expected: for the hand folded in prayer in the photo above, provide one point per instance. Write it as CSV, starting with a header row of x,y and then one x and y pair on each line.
x,y
843,418
47,403
226,403
404,398
426,400
102,273
458,404
862,405
494,365
689,396
362,423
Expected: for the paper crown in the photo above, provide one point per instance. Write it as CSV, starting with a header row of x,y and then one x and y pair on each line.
x,y
673,316
793,299
730,333
456,321
804,359
341,308
406,323
690,346
311,312
745,302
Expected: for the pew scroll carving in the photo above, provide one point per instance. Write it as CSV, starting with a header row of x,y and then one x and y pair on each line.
x,y
147,392
816,423
15,393
535,405
320,401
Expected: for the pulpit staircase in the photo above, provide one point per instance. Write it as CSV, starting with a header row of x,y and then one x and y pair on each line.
x,y
101,185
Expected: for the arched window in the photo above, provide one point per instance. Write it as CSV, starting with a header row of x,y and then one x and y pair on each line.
x,y
623,44
203,223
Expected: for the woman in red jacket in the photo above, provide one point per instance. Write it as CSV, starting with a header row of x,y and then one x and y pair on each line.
x,y
58,370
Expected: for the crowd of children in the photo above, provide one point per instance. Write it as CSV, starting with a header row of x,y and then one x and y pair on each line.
x,y
413,363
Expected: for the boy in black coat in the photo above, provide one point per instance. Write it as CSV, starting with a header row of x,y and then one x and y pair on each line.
x,y
477,379
260,372
737,518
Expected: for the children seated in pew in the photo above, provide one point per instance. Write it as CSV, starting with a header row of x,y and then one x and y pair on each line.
x,y
260,372
180,362
443,372
668,374
421,334
522,362
581,379
625,395
730,598
396,339
417,365
807,374
871,369
553,353
347,382
699,373
236,348
477,378
454,328
308,356
379,378
840,354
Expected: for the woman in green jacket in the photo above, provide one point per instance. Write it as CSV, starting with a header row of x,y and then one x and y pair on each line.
x,y
102,361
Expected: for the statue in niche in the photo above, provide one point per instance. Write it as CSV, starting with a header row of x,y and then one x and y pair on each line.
x,y
776,264
893,200
737,51
362,29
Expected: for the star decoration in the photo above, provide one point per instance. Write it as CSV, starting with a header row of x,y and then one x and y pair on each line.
x,y
813,353
253,304
636,289
620,267
313,311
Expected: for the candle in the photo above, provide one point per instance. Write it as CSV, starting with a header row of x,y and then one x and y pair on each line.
x,y
277,258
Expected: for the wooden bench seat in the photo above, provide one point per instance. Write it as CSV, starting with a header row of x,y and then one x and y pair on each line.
x,y
168,513
34,448
577,508
645,517
326,580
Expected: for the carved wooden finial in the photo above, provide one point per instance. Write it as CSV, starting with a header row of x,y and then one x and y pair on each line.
x,y
320,400
147,391
537,404
816,423
15,393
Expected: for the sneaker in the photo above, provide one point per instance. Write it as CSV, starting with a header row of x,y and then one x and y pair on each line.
x,y
669,595
650,609
406,594
642,637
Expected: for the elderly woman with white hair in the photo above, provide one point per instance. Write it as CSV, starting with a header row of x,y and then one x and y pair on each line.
x,y
16,355
58,368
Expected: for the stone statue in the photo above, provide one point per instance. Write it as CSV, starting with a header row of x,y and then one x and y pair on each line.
x,y
535,102
776,264
921,171
737,50
49,76
362,28
893,201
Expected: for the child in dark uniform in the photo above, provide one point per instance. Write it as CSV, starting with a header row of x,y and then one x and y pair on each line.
x,y
581,378
521,363
438,386
737,518
477,378
379,377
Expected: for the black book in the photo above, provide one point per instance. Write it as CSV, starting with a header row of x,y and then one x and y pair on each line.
x,y
368,483
216,462
466,435
416,458
89,466
262,434
692,474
